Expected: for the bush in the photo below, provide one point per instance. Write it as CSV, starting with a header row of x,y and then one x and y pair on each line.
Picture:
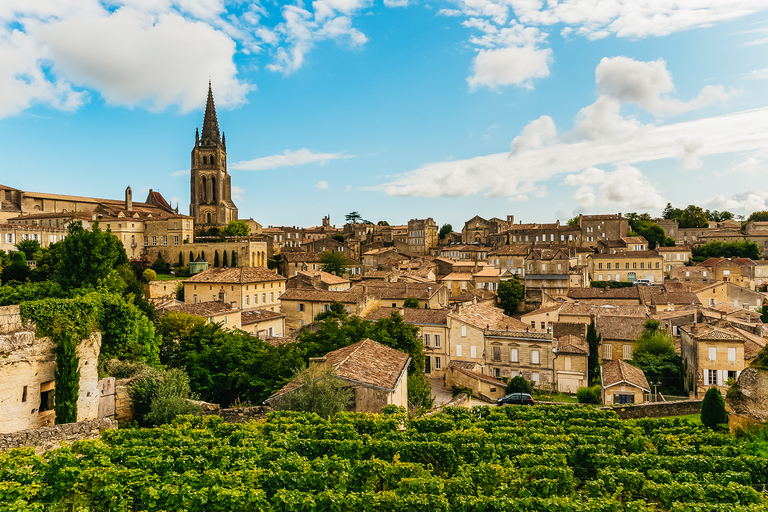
x,y
160,266
149,275
519,385
157,400
590,395
713,409
319,390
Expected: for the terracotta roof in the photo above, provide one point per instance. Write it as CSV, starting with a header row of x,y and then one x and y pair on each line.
x,y
476,293
603,293
585,309
466,365
661,298
570,344
301,257
487,272
510,250
619,328
629,254
548,309
712,333
413,315
325,277
366,362
458,276
479,376
201,309
608,216
235,275
484,316
400,290
253,316
674,248
350,296
710,262
616,371
752,344
634,240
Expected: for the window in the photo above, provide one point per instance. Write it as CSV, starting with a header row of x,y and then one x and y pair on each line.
x,y
567,363
731,354
513,355
608,266
300,307
263,298
195,298
175,225
626,265
247,300
437,364
458,350
496,373
497,353
165,240
627,352
46,396
146,241
175,239
463,331
533,324
473,351
600,266
154,240
534,357
437,341
607,351
535,377
712,353
426,340
710,377
303,323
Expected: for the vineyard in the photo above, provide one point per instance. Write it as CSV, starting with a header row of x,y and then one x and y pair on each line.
x,y
540,458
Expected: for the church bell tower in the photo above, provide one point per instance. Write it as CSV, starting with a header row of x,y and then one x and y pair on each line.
x,y
210,187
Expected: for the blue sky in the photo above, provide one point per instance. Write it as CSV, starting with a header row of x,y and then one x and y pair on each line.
x,y
397,109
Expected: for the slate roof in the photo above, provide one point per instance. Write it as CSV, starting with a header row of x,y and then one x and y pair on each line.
x,y
366,362
484,316
235,275
253,316
617,371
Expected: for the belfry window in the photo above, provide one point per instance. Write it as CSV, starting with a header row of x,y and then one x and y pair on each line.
x,y
209,218
205,160
213,160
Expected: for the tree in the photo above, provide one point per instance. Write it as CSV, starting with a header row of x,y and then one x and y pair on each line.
x,y
671,213
761,216
445,229
713,409
593,361
511,294
338,237
67,380
233,262
763,310
224,262
382,223
411,302
336,310
333,262
18,270
518,384
643,225
316,389
160,265
654,353
181,260
236,228
149,275
172,327
589,395
693,217
717,249
716,216
353,217
29,247
88,256
216,258
574,221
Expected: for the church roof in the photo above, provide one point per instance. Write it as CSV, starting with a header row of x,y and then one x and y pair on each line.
x,y
210,135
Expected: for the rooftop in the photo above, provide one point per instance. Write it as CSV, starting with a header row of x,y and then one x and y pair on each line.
x,y
484,316
254,316
616,371
235,275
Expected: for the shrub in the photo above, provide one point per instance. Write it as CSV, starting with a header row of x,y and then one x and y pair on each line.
x,y
590,395
157,400
319,390
713,409
519,385
149,275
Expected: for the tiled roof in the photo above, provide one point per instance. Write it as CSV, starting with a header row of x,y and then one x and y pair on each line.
x,y
510,250
484,316
570,344
201,309
325,277
466,365
235,275
458,276
616,371
253,316
603,293
476,293
350,296
301,257
752,344
548,309
661,298
619,328
609,216
674,248
365,362
712,333
479,376
487,272
634,240
402,290
585,309
412,315
629,254
710,262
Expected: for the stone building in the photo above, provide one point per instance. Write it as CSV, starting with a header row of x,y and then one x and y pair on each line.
x,y
27,367
243,287
422,235
712,355
623,383
627,266
477,230
570,363
210,187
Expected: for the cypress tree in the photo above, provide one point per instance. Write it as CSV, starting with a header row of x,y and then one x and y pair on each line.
x,y
67,378
224,262
234,259
202,254
181,259
191,257
216,258
713,408
593,340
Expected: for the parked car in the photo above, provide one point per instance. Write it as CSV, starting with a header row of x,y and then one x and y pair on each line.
x,y
516,398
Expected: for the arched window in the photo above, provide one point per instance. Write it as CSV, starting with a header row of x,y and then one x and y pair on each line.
x,y
205,160
209,218
213,189
213,160
203,189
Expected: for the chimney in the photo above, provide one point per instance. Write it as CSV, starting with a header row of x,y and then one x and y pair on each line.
x,y
129,199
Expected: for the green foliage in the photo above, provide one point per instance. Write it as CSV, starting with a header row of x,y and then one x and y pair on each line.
x,y
67,380
17,271
511,293
181,260
717,249
589,395
86,257
319,391
573,221
457,390
233,261
224,262
16,294
172,327
216,258
518,384
761,216
353,218
671,213
236,228
654,353
610,284
28,247
716,216
411,302
445,229
336,310
763,310
338,237
333,262
159,398
593,361
47,260
761,361
160,265
693,217
713,408
149,275
516,459
643,225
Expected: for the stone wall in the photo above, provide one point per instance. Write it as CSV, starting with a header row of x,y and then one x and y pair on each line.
x,y
658,409
48,438
241,414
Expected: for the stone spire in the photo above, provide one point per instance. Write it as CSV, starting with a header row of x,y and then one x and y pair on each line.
x,y
210,134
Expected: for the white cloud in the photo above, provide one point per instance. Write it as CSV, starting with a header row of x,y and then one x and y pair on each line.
x,y
449,12
536,134
648,84
603,120
744,202
287,159
321,185
626,186
237,193
752,163
757,74
396,3
509,66
182,172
